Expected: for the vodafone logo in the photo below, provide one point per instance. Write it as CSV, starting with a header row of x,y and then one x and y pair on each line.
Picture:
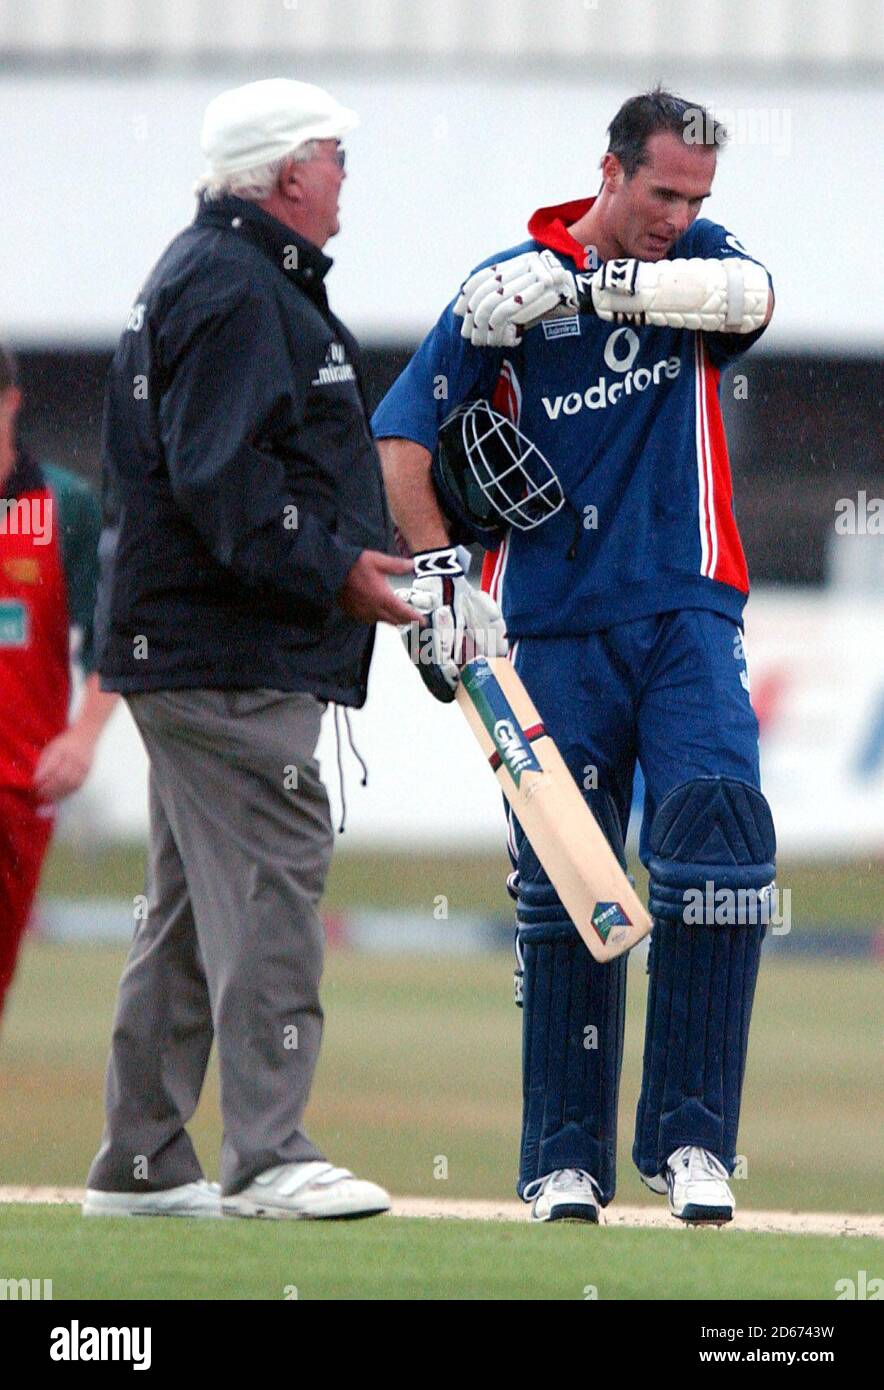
x,y
621,349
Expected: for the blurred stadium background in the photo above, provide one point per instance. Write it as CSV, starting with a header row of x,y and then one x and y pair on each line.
x,y
473,114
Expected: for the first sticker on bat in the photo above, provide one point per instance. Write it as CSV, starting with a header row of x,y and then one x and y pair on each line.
x,y
514,751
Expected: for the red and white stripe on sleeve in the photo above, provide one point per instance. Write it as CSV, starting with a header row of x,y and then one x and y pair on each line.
x,y
721,552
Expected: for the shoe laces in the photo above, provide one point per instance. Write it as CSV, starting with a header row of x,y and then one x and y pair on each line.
x,y
701,1164
563,1178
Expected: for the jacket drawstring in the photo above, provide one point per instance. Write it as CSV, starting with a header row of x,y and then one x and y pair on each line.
x,y
355,751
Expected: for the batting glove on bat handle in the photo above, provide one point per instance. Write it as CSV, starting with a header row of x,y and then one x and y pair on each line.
x,y
462,622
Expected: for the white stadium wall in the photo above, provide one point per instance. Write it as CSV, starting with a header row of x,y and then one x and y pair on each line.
x,y
586,34
816,663
98,171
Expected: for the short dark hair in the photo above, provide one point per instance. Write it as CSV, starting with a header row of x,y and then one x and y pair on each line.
x,y
8,371
646,115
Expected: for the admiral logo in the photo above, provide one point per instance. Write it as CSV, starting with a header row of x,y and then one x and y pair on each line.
x,y
335,369
566,327
135,321
512,747
621,350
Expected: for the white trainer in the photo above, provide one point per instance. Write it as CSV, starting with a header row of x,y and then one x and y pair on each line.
x,y
307,1191
568,1194
192,1199
697,1185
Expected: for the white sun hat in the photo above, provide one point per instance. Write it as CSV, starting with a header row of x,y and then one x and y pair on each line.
x,y
262,121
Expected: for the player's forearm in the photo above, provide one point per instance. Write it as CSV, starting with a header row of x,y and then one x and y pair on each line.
x,y
728,294
416,511
95,710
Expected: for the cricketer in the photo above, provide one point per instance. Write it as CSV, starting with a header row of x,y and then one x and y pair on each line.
x,y
49,525
602,337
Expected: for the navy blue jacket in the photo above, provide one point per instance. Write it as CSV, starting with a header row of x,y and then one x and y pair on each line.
x,y
241,481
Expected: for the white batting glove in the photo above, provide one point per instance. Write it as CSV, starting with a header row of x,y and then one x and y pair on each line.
x,y
727,295
463,622
499,301
716,296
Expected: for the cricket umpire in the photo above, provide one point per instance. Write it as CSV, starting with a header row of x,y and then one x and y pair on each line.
x,y
244,562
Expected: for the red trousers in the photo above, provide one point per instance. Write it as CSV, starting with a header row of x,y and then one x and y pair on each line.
x,y
25,832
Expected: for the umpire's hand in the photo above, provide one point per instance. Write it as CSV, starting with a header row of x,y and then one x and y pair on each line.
x,y
367,596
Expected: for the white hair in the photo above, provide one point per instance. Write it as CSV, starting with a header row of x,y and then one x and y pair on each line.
x,y
254,184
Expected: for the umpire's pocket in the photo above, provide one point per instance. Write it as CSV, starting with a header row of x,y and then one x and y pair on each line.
x,y
279,727
245,702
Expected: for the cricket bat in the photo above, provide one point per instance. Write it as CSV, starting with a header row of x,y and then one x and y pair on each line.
x,y
562,830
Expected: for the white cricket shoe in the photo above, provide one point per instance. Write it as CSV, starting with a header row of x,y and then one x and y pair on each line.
x,y
568,1194
697,1185
192,1199
307,1191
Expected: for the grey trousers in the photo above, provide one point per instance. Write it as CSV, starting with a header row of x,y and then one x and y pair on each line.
x,y
230,945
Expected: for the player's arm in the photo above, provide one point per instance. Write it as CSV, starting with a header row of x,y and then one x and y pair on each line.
x,y
65,762
445,371
710,239
460,621
711,294
413,501
708,294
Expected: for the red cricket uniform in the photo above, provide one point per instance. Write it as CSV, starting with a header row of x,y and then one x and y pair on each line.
x,y
46,575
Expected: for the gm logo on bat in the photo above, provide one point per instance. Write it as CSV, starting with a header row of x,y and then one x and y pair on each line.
x,y
512,748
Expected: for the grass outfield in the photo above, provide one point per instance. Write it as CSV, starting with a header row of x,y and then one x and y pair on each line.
x,y
419,1075
846,893
397,1258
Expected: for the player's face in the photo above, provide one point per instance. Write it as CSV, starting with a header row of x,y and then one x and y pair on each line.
x,y
664,196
